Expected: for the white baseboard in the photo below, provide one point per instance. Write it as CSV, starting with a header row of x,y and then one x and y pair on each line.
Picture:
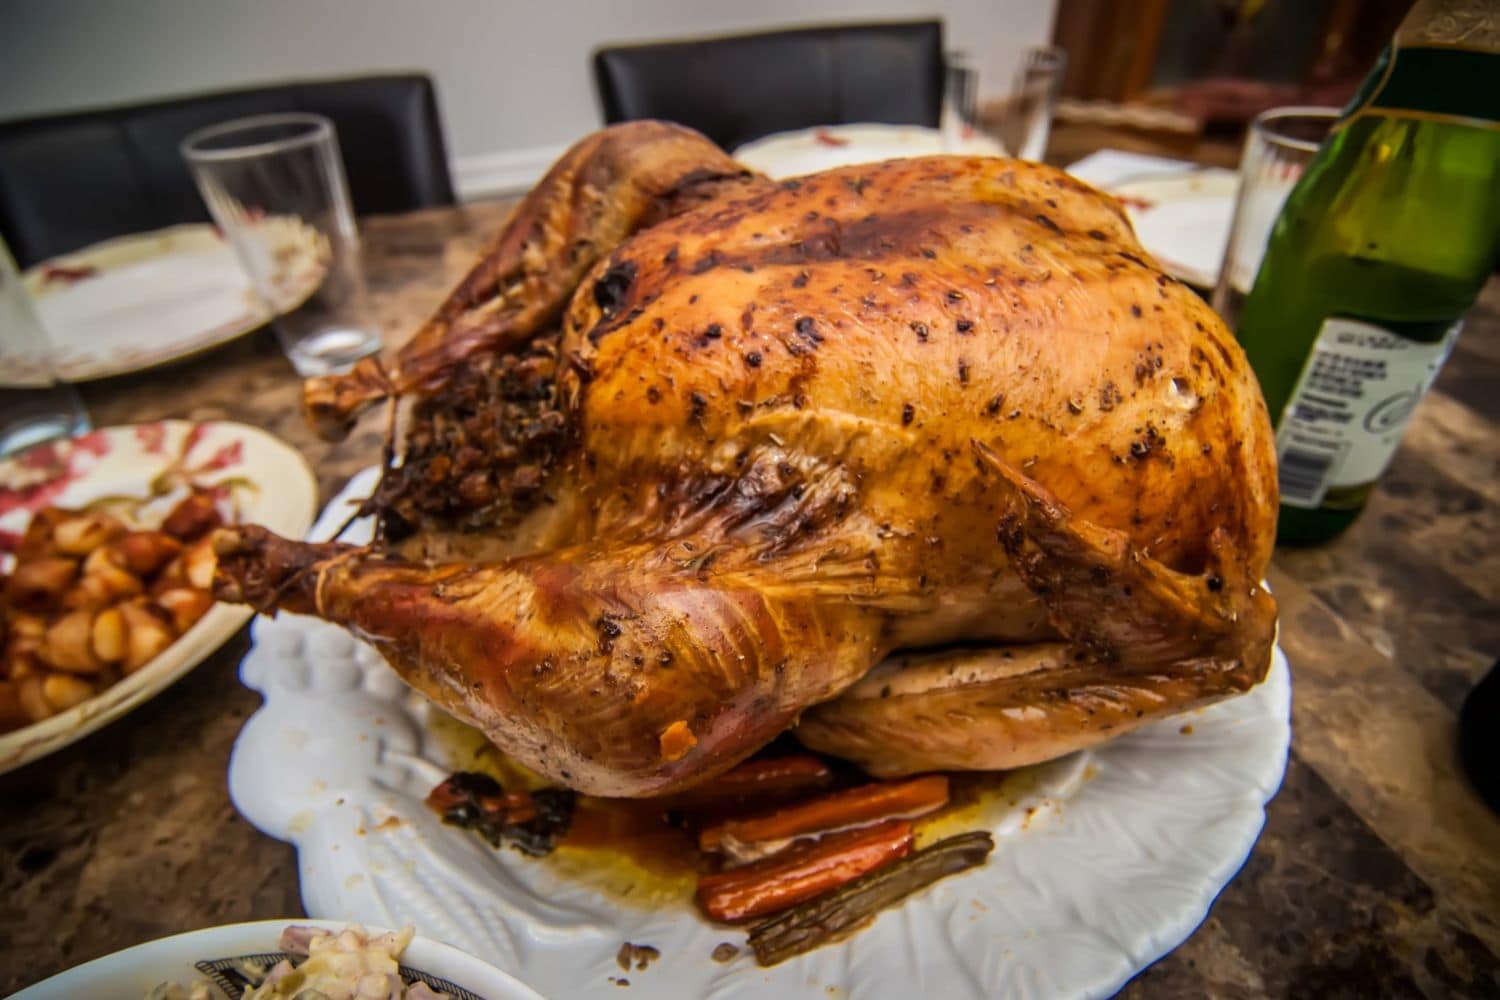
x,y
511,171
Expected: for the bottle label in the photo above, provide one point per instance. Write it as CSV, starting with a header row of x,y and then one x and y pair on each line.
x,y
1351,404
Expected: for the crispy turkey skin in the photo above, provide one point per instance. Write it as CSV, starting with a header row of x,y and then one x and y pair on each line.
x,y
691,452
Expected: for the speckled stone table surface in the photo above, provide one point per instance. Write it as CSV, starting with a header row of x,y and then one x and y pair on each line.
x,y
1378,873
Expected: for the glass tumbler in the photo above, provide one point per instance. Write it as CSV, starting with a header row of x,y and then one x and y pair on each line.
x,y
34,406
275,185
960,114
1033,99
1278,147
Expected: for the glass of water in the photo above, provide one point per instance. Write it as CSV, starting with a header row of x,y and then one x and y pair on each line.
x,y
275,185
1033,100
34,406
959,121
1279,146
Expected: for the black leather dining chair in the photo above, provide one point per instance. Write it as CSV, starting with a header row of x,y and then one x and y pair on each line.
x,y
70,180
742,87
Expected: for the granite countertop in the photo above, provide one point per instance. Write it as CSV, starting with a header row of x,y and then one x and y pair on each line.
x,y
1378,871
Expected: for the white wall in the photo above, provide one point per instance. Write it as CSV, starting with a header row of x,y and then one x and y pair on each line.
x,y
513,78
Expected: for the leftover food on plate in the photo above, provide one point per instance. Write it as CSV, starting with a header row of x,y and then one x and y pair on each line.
x,y
319,964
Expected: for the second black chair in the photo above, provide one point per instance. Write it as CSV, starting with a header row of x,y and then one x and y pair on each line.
x,y
740,88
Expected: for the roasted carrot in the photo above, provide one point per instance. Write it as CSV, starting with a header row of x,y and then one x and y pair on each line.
x,y
771,777
836,811
802,872
837,914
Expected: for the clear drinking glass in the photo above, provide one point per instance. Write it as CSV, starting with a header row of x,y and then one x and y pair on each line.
x,y
34,406
1279,146
960,116
275,185
1028,116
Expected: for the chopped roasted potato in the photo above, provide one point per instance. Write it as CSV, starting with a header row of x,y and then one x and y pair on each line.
x,y
69,643
63,691
33,702
107,636
34,585
146,634
199,562
145,552
193,518
89,600
83,533
186,605
36,542
12,714
109,567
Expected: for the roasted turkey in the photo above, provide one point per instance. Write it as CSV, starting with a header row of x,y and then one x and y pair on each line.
x,y
926,461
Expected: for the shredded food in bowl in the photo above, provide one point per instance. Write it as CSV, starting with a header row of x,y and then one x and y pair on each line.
x,y
346,965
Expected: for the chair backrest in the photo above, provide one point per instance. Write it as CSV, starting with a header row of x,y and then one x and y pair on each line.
x,y
743,87
70,180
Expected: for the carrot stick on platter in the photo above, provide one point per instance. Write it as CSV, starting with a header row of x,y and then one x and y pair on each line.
x,y
758,836
766,778
835,915
803,872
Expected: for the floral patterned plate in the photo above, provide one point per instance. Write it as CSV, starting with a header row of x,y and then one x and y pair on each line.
x,y
145,299
264,479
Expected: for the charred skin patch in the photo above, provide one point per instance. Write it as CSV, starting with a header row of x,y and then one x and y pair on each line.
x,y
612,288
807,330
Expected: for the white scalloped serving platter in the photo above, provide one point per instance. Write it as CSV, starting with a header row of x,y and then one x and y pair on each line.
x,y
1104,862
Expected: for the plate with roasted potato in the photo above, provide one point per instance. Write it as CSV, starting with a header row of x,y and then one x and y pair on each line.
x,y
106,564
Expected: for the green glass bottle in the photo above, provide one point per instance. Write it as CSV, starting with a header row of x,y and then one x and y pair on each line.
x,y
1379,251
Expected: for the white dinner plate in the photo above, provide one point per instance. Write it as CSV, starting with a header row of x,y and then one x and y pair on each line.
x,y
1104,862
270,485
1183,219
132,973
149,298
807,151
